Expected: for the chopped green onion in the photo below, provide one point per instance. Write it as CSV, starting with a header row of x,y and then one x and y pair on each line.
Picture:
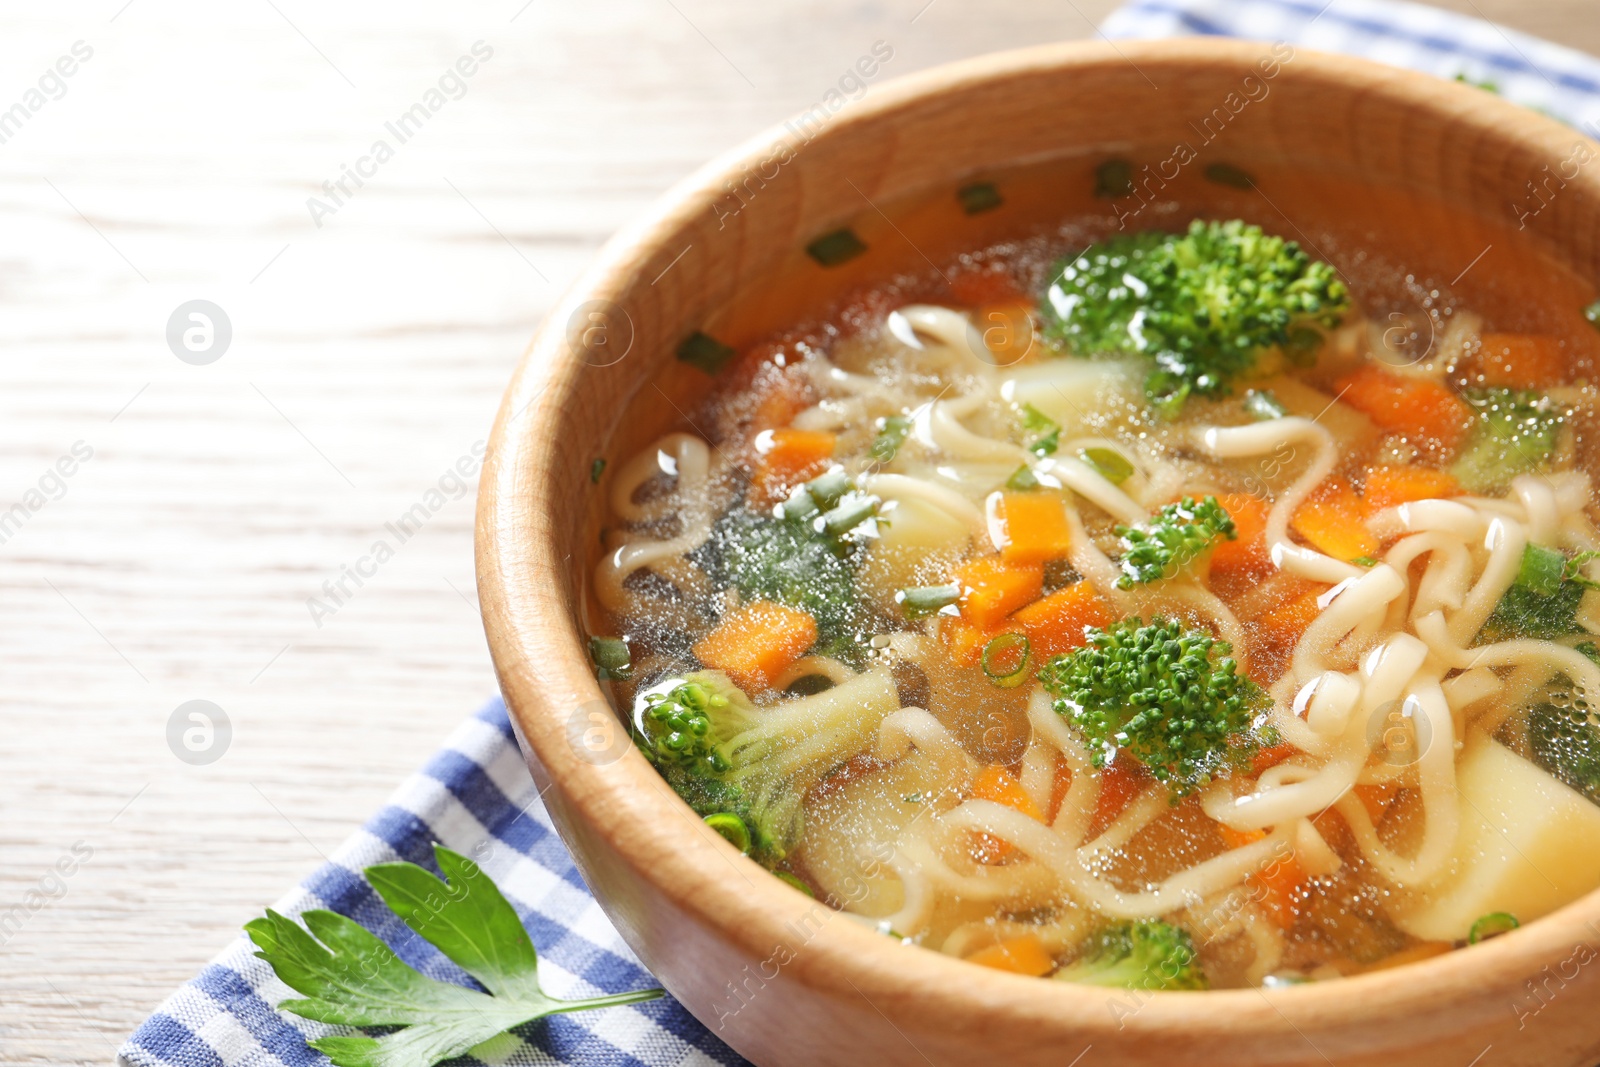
x,y
978,197
998,655
800,507
1110,464
847,516
828,489
705,352
1113,178
732,828
919,601
1492,925
1364,561
1592,313
892,433
832,249
1023,480
1263,406
794,883
596,469
1228,174
611,658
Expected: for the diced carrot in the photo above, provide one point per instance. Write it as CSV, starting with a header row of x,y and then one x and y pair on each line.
x,y
1008,331
1521,361
1024,955
1334,521
992,588
1036,527
1240,838
1248,553
788,457
1271,757
1278,890
1120,782
997,784
1424,410
1059,787
965,642
779,405
975,288
1284,625
1057,623
1376,799
857,766
757,642
1389,486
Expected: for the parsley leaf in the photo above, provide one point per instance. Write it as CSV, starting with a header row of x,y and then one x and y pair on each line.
x,y
349,977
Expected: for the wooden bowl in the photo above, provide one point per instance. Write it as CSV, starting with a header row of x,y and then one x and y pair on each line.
x,y
783,979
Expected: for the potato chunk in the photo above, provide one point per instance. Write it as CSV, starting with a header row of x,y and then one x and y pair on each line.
x,y
1528,845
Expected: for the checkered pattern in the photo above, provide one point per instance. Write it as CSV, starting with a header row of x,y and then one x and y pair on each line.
x,y
475,796
1526,69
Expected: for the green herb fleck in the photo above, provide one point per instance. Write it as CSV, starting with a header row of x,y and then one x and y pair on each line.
x,y
978,197
705,352
832,249
1023,479
1110,464
1113,178
1044,432
1228,174
596,469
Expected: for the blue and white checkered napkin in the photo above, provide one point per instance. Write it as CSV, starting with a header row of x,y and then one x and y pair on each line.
x,y
475,795
1564,82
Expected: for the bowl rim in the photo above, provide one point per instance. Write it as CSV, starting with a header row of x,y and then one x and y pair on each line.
x,y
540,659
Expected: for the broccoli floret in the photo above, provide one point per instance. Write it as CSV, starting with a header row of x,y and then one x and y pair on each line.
x,y
1168,696
1178,535
1516,432
1202,305
1543,601
805,555
724,758
1143,955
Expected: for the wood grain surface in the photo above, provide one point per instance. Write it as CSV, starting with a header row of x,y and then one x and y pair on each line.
x,y
368,353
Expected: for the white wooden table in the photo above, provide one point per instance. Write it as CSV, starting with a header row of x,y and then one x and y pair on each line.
x,y
175,163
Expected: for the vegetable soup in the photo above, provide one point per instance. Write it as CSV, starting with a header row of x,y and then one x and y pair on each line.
x,y
1167,606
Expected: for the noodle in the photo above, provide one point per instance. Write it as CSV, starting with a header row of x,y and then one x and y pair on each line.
x,y
968,553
